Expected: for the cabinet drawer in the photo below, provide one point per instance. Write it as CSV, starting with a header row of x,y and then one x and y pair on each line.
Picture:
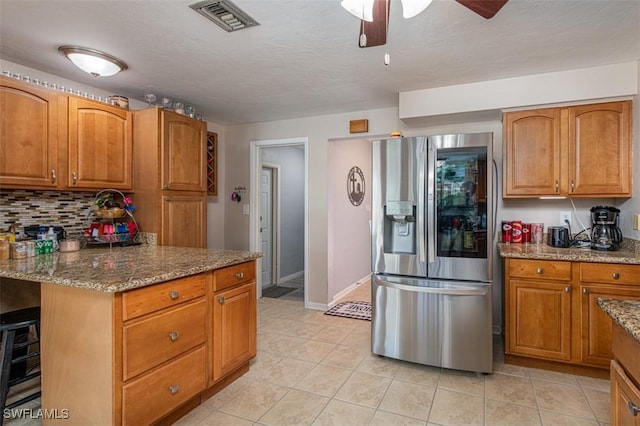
x,y
627,351
154,395
158,338
610,273
155,297
233,275
540,269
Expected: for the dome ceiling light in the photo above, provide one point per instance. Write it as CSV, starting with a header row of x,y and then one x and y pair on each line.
x,y
95,62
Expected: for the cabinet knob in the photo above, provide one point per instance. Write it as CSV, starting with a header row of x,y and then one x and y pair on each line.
x,y
53,176
174,336
557,186
567,289
174,295
616,275
167,198
539,270
240,275
585,291
74,178
174,389
633,409
221,299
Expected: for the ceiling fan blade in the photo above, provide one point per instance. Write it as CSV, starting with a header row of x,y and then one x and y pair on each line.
x,y
485,8
375,33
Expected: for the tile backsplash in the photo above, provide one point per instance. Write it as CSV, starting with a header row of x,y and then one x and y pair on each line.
x,y
24,207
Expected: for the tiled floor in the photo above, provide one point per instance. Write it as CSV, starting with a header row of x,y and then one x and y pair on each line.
x,y
317,369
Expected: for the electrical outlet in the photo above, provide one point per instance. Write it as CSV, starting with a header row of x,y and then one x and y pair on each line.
x,y
565,216
636,221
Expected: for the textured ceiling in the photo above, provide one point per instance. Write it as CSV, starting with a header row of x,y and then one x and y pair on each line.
x,y
303,59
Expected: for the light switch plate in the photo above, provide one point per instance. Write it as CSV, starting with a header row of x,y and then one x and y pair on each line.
x,y
565,215
636,221
245,209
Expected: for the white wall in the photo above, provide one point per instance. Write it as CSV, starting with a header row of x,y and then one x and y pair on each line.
x,y
291,161
349,256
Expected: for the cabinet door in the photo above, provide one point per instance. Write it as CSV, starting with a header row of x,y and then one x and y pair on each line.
x,y
600,149
596,325
532,153
184,153
100,146
625,398
539,319
29,137
234,329
184,221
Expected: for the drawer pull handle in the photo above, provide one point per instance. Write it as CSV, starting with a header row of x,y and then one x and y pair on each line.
x,y
585,291
557,186
539,271
240,275
221,299
567,289
633,409
74,177
174,336
174,389
573,185
174,295
53,176
616,275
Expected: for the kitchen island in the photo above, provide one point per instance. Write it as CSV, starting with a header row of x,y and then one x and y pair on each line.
x,y
139,335
552,317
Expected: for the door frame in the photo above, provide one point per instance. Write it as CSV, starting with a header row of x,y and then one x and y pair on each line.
x,y
255,169
275,219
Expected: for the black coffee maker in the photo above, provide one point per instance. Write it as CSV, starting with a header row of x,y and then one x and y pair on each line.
x,y
605,234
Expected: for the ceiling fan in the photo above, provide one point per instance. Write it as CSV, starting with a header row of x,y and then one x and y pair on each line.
x,y
374,15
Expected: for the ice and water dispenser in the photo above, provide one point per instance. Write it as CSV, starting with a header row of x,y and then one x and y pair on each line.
x,y
400,227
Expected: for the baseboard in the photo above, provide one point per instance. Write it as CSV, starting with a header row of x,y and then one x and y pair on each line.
x,y
317,306
349,289
291,277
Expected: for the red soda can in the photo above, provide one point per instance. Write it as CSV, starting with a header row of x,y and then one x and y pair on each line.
x,y
526,233
516,232
506,231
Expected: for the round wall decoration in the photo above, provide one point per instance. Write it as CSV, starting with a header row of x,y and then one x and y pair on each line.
x,y
355,186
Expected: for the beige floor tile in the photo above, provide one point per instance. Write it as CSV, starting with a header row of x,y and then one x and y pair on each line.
x,y
312,350
514,370
340,413
227,393
296,408
513,389
287,372
563,399
462,381
283,346
593,383
331,334
501,413
346,356
550,418
382,418
599,402
380,366
358,337
553,376
408,399
324,380
217,418
364,389
455,408
255,400
419,374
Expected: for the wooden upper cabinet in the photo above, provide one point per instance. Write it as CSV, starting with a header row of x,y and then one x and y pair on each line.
x,y
600,149
576,151
184,153
532,153
29,135
100,146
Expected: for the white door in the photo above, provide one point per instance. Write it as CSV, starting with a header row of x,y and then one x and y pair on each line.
x,y
266,225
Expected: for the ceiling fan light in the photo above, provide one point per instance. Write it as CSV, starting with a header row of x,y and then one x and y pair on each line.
x,y
362,9
94,62
411,8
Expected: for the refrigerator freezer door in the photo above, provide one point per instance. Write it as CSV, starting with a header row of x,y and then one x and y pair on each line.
x,y
439,323
398,207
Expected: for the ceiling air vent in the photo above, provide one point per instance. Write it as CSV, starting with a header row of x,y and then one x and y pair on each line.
x,y
225,14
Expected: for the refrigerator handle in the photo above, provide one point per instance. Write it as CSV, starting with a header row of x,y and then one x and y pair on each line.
x,y
421,205
482,290
431,213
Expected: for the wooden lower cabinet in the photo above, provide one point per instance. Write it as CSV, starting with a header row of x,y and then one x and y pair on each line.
x,y
146,355
551,312
625,379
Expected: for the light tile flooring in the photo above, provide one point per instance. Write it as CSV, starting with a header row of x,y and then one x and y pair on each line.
x,y
315,369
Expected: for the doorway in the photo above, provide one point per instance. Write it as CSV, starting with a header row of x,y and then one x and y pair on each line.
x,y
268,204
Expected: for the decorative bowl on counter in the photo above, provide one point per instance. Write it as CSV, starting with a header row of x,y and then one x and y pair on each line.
x,y
109,212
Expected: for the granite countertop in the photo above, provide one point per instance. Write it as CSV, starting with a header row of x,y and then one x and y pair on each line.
x,y
545,252
625,313
120,268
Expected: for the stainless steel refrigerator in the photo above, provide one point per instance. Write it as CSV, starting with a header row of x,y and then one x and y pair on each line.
x,y
431,256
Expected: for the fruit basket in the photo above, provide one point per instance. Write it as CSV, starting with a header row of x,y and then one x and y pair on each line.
x,y
111,220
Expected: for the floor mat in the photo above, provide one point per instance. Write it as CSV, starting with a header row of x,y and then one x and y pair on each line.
x,y
275,292
356,310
